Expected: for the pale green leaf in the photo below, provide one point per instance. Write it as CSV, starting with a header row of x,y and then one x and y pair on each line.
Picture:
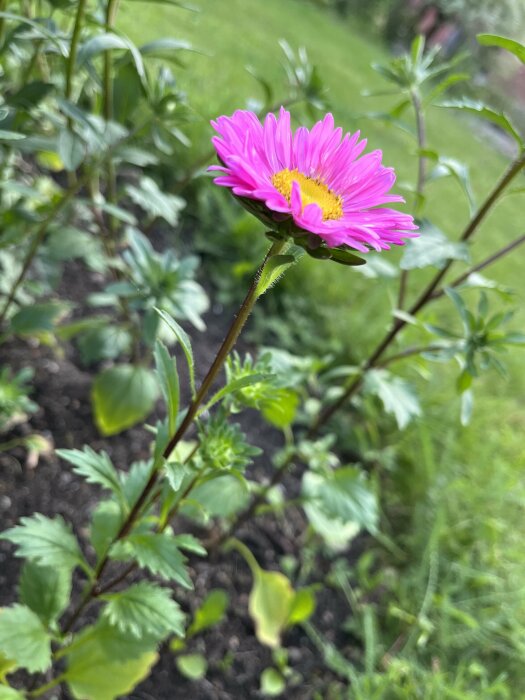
x,y
396,394
166,367
185,342
24,639
192,666
122,396
210,613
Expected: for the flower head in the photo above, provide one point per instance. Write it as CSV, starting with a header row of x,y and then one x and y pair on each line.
x,y
310,181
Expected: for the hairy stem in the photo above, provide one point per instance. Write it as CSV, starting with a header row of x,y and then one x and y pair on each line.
x,y
92,588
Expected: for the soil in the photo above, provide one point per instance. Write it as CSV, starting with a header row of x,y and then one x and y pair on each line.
x,y
236,659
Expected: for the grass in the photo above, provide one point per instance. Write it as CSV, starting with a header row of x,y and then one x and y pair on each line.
x,y
490,453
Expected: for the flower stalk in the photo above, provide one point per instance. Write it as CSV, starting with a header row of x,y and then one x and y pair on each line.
x,y
93,588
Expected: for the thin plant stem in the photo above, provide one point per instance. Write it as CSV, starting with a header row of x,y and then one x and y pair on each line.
x,y
426,295
226,347
48,686
480,266
420,183
111,15
73,50
429,294
35,244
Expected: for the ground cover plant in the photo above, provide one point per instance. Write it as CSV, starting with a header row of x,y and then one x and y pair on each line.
x,y
200,514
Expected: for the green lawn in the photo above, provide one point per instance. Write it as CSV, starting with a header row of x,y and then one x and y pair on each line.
x,y
234,33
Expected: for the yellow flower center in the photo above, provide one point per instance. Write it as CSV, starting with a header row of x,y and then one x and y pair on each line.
x,y
312,192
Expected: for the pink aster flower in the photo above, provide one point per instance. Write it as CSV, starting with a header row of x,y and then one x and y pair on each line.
x,y
313,179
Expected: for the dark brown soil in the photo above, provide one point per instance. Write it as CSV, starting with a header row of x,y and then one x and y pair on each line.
x,y
236,659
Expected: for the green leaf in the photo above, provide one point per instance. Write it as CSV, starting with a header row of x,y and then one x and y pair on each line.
x,y
7,693
302,607
149,197
270,601
24,639
156,552
144,609
192,666
96,468
105,524
210,613
38,317
175,473
103,343
184,340
221,497
190,544
343,496
71,149
45,590
345,257
481,110
169,382
108,42
515,47
122,396
280,410
94,674
432,248
48,541
275,267
396,394
272,683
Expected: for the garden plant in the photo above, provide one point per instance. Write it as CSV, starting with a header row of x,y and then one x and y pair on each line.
x,y
126,224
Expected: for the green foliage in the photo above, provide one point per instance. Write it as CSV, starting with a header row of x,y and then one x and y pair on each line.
x,y
47,541
14,400
223,446
122,396
397,396
144,609
156,552
24,639
192,666
45,590
210,612
96,468
103,665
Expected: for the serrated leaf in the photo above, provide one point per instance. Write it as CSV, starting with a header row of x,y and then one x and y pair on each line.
x,y
432,248
396,394
94,674
45,590
122,396
144,609
210,613
95,467
184,340
190,544
344,495
479,109
169,382
24,639
47,541
157,552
